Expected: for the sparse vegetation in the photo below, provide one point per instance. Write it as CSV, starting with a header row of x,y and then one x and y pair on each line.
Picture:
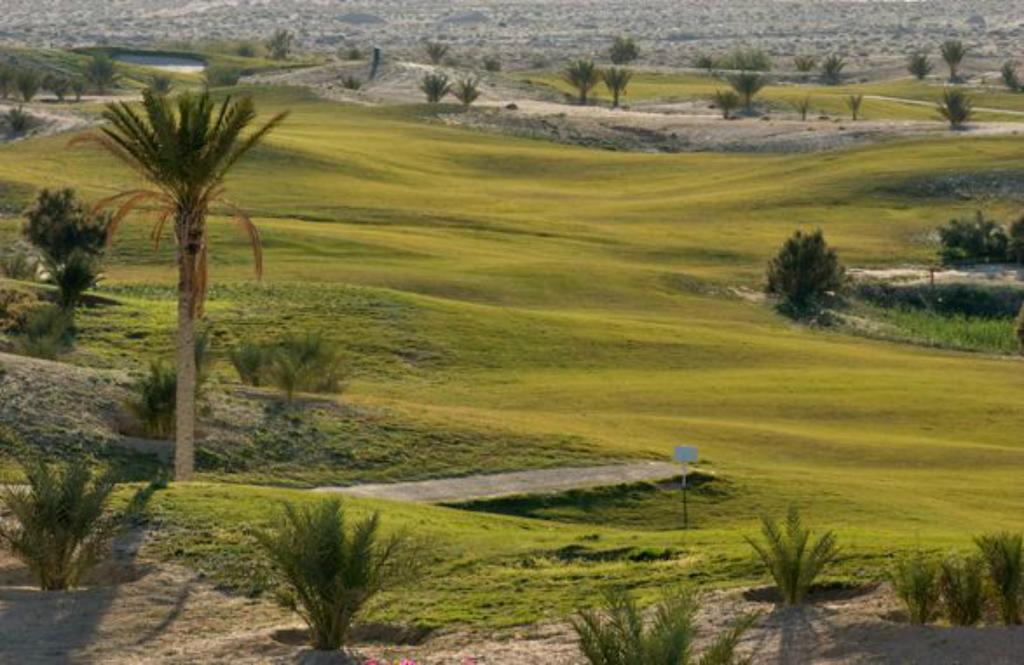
x,y
102,73
961,580
280,44
618,634
747,85
436,87
19,121
746,60
492,63
161,84
805,63
624,51
832,69
726,101
792,560
805,273
915,579
467,91
351,83
616,80
436,51
953,52
332,570
59,527
28,82
956,107
153,402
1011,79
221,76
306,363
582,75
803,107
704,61
45,333
1003,554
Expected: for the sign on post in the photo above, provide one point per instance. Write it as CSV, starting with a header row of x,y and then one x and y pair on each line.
x,y
685,455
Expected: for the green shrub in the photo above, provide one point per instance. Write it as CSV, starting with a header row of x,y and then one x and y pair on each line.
x,y
19,121
747,85
45,333
953,52
351,82
989,301
73,277
919,66
956,107
805,272
467,91
436,87
1011,79
161,84
222,76
153,404
332,571
28,82
101,72
727,101
583,76
58,224
623,51
252,362
307,363
619,635
280,44
15,305
492,63
436,51
792,561
962,589
832,69
1003,554
18,262
915,579
746,59
973,240
805,63
58,527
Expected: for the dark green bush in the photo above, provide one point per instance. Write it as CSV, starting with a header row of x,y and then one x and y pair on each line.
x,y
330,570
1003,554
624,51
73,277
973,300
153,404
961,581
973,240
805,272
58,224
915,579
792,560
252,362
58,526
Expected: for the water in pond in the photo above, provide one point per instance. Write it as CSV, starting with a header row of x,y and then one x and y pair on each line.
x,y
167,63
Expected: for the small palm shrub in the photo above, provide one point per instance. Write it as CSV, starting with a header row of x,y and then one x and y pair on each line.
x,y
953,52
618,635
58,525
582,75
961,581
854,102
727,101
46,333
153,404
805,272
436,51
956,107
73,277
832,69
791,559
18,262
222,76
915,579
467,91
747,85
28,82
803,107
616,80
919,66
1003,554
102,73
805,63
1011,79
251,360
436,87
308,363
279,45
19,121
331,571
353,53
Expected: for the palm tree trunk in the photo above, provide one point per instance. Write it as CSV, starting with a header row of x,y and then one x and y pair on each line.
x,y
185,398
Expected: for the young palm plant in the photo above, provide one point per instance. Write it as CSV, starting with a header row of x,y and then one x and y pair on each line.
x,y
727,101
582,75
854,102
58,526
790,557
436,51
1011,79
746,85
805,63
953,52
467,91
915,579
832,69
616,79
331,572
183,149
919,66
956,107
618,634
963,590
1003,554
436,87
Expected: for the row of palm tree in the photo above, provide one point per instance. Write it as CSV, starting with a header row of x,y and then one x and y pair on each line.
x,y
584,75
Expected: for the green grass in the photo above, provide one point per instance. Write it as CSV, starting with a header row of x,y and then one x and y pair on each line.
x,y
490,284
953,331
825,99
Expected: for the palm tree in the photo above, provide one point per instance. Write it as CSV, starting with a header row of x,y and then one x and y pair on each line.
x,y
183,149
746,85
467,91
953,52
582,75
853,102
832,69
436,87
956,107
436,51
616,79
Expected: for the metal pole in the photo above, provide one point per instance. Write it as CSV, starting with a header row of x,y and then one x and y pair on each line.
x,y
686,514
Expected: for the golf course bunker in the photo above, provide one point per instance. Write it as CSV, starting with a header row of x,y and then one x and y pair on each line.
x,y
167,63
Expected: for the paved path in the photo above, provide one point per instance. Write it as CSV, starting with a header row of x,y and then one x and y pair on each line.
x,y
503,484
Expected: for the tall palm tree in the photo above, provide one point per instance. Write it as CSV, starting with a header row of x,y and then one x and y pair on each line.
x,y
616,79
183,149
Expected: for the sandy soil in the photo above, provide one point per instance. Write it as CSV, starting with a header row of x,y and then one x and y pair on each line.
x,y
50,120
504,484
160,613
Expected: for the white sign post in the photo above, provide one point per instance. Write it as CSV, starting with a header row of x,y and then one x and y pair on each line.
x,y
684,455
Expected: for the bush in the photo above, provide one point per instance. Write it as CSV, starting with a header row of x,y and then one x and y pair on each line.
x,y
616,80
154,402
832,69
353,53
974,240
791,561
619,635
951,299
102,73
45,333
18,262
916,581
436,51
58,224
747,85
15,305
623,51
919,66
582,75
79,273
19,121
161,84
222,76
351,82
805,272
280,44
28,82
1011,79
1003,554
803,106
962,590
953,52
307,363
492,63
467,91
58,526
252,362
956,107
331,572
805,63
727,101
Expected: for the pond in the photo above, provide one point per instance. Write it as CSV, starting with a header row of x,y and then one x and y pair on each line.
x,y
167,63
